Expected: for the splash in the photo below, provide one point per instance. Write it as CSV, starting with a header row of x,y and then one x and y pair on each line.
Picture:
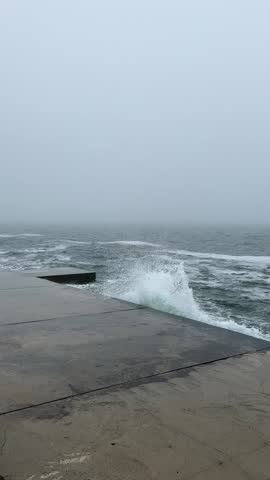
x,y
167,289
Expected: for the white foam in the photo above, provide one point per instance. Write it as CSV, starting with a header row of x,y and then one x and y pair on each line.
x,y
63,258
216,256
33,250
133,243
10,235
263,260
240,328
256,293
77,242
221,270
44,249
254,275
168,290
165,290
7,235
56,248
30,235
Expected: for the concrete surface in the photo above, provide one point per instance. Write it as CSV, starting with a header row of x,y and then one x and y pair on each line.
x,y
206,423
64,275
72,355
11,281
94,388
24,298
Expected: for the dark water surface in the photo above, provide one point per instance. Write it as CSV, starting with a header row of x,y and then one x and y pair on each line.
x,y
214,274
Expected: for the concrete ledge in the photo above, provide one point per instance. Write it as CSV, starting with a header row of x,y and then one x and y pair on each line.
x,y
93,387
64,275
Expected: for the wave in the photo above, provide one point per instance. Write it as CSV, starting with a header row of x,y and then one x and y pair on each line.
x,y
30,235
265,260
134,243
44,249
168,290
63,258
33,250
77,242
11,235
56,248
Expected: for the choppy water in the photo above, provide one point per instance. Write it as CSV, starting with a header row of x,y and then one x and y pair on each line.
x,y
217,275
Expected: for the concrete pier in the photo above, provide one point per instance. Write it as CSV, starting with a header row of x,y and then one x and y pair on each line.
x,y
96,388
64,275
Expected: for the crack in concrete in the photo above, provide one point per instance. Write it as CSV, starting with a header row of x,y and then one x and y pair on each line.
x,y
72,316
136,381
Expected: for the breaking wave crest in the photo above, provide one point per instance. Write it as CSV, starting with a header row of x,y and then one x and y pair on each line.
x,y
168,290
216,256
165,289
11,235
45,249
134,243
78,242
263,260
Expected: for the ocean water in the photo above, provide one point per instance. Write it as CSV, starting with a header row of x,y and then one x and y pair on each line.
x,y
214,274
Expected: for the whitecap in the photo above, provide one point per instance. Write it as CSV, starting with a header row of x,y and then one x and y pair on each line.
x,y
30,235
63,258
56,248
78,242
44,249
11,235
265,260
133,243
168,290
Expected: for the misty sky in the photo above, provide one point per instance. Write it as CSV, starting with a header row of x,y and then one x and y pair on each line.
x,y
135,110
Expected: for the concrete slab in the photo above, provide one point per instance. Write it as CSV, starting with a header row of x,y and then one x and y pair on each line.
x,y
10,280
93,387
53,301
44,361
64,275
200,424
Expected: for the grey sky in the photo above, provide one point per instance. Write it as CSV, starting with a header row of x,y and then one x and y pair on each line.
x,y
135,110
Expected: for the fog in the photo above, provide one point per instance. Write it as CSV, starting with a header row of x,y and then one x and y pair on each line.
x,y
141,110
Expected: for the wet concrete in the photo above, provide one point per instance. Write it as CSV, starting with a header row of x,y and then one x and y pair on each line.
x,y
60,348
24,298
211,424
58,342
48,360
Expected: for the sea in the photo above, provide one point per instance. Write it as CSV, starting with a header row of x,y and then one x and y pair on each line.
x,y
216,274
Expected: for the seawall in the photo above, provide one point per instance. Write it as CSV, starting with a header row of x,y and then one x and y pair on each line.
x,y
94,387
